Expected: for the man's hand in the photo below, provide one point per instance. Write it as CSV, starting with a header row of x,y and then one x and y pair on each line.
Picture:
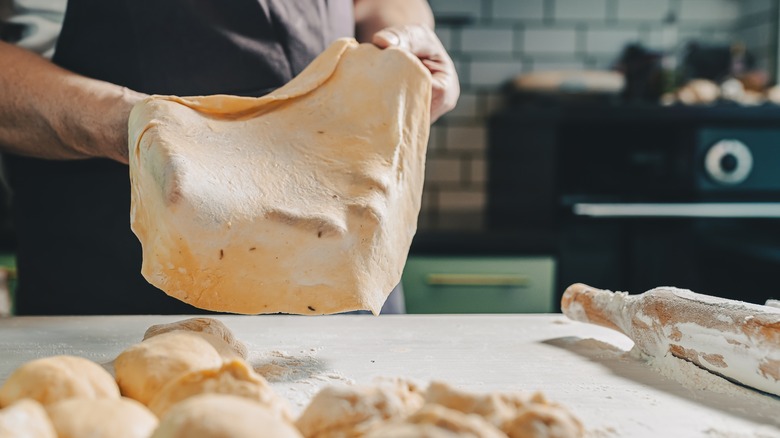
x,y
49,112
421,41
408,24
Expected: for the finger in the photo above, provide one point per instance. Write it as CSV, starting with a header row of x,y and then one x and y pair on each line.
x,y
386,38
419,40
444,95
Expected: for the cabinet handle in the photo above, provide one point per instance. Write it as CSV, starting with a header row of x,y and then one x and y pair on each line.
x,y
693,210
477,280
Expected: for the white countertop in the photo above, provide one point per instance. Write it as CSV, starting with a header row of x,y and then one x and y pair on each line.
x,y
584,367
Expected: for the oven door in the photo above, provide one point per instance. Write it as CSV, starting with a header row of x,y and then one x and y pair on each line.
x,y
730,250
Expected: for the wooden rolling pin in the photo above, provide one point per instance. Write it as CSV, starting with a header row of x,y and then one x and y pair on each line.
x,y
736,340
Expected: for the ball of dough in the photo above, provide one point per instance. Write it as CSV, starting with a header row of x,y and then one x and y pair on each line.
x,y
144,368
434,421
222,416
495,407
56,378
25,418
202,325
544,421
516,414
353,411
234,377
115,418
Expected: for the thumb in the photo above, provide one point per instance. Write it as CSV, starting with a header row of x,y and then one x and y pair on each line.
x,y
389,37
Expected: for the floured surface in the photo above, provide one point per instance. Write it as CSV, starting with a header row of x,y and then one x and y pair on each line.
x,y
303,201
588,369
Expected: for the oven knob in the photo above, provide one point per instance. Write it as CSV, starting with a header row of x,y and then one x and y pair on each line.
x,y
728,162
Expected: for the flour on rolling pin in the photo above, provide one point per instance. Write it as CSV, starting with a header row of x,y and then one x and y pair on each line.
x,y
736,340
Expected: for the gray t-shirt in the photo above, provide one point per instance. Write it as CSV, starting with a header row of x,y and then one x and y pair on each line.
x,y
42,21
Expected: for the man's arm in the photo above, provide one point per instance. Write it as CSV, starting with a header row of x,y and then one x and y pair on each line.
x,y
409,24
49,112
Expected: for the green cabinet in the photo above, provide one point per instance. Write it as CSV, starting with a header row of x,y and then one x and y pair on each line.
x,y
438,284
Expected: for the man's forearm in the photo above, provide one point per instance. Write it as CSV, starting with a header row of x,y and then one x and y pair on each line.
x,y
372,16
49,112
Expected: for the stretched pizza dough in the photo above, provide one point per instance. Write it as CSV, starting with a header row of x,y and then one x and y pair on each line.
x,y
234,377
25,419
113,418
204,325
303,201
144,368
222,416
51,379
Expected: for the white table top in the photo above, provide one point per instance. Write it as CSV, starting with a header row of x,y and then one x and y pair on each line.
x,y
584,367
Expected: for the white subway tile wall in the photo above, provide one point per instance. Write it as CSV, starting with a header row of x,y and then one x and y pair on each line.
x,y
461,8
525,10
755,27
580,10
492,73
486,39
642,10
445,36
609,41
492,41
709,10
751,7
550,40
468,106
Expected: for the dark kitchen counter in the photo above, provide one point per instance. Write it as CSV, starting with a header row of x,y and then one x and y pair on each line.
x,y
467,234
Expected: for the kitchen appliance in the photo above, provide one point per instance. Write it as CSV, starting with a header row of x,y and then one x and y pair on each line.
x,y
645,196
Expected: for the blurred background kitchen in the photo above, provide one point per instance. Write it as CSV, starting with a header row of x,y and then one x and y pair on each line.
x,y
627,144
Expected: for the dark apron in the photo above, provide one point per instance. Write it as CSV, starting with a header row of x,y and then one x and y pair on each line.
x,y
76,253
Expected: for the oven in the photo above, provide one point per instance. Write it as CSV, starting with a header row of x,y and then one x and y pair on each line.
x,y
639,197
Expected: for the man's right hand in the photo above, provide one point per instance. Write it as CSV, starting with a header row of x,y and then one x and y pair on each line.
x,y
49,112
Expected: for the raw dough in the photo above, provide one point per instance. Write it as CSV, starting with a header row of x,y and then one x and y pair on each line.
x,y
399,410
516,414
115,418
55,378
222,416
202,325
354,411
434,421
543,420
144,368
303,201
235,378
25,419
